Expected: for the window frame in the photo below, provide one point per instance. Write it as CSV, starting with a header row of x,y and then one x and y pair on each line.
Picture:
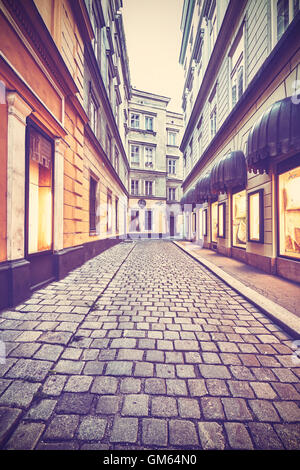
x,y
149,227
213,113
135,120
260,193
149,184
31,126
283,167
172,137
172,191
222,220
149,155
93,213
135,228
204,222
147,120
135,155
240,190
135,186
109,212
117,214
237,65
274,15
172,166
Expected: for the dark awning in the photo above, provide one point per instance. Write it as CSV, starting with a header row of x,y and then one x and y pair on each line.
x,y
203,191
229,172
276,132
190,197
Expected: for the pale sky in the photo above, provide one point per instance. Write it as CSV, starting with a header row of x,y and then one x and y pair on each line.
x,y
153,39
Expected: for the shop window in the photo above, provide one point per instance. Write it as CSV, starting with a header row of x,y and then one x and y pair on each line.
x,y
39,192
134,221
117,213
214,222
109,212
204,222
221,220
239,219
256,216
194,222
93,204
289,212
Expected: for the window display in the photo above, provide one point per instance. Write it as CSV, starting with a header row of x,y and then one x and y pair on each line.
x,y
214,222
255,216
194,222
40,193
239,219
204,222
221,220
289,213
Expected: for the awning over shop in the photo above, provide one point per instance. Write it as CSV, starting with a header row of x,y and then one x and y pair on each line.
x,y
190,197
229,172
275,133
202,189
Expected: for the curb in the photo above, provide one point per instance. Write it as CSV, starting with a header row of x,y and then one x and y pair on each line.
x,y
286,319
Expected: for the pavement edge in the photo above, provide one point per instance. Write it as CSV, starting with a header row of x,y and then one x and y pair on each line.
x,y
286,319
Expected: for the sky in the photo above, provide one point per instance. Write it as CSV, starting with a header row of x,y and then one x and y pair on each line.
x,y
153,39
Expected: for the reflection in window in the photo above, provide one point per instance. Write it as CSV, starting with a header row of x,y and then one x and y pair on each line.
x,y
255,216
214,222
134,221
40,193
239,219
93,204
148,220
289,213
221,220
109,212
282,17
204,222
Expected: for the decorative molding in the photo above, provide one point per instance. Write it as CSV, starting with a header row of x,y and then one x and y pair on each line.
x,y
38,35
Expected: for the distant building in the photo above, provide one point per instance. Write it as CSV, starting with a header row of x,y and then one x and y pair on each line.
x,y
241,141
153,138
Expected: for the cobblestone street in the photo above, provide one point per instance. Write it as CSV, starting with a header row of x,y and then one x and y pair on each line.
x,y
143,348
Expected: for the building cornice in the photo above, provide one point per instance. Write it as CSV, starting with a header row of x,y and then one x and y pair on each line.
x,y
232,16
287,46
30,22
99,85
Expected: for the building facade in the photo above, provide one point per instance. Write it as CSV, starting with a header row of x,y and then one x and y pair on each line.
x,y
64,86
241,141
153,137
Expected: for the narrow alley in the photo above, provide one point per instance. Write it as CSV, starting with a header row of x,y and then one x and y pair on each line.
x,y
143,348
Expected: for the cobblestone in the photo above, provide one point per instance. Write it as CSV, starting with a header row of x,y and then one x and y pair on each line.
x,y
143,347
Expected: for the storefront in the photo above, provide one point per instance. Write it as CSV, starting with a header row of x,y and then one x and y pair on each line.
x,y
39,205
289,207
273,148
251,203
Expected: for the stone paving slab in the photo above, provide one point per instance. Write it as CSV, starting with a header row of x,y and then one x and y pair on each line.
x,y
144,348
